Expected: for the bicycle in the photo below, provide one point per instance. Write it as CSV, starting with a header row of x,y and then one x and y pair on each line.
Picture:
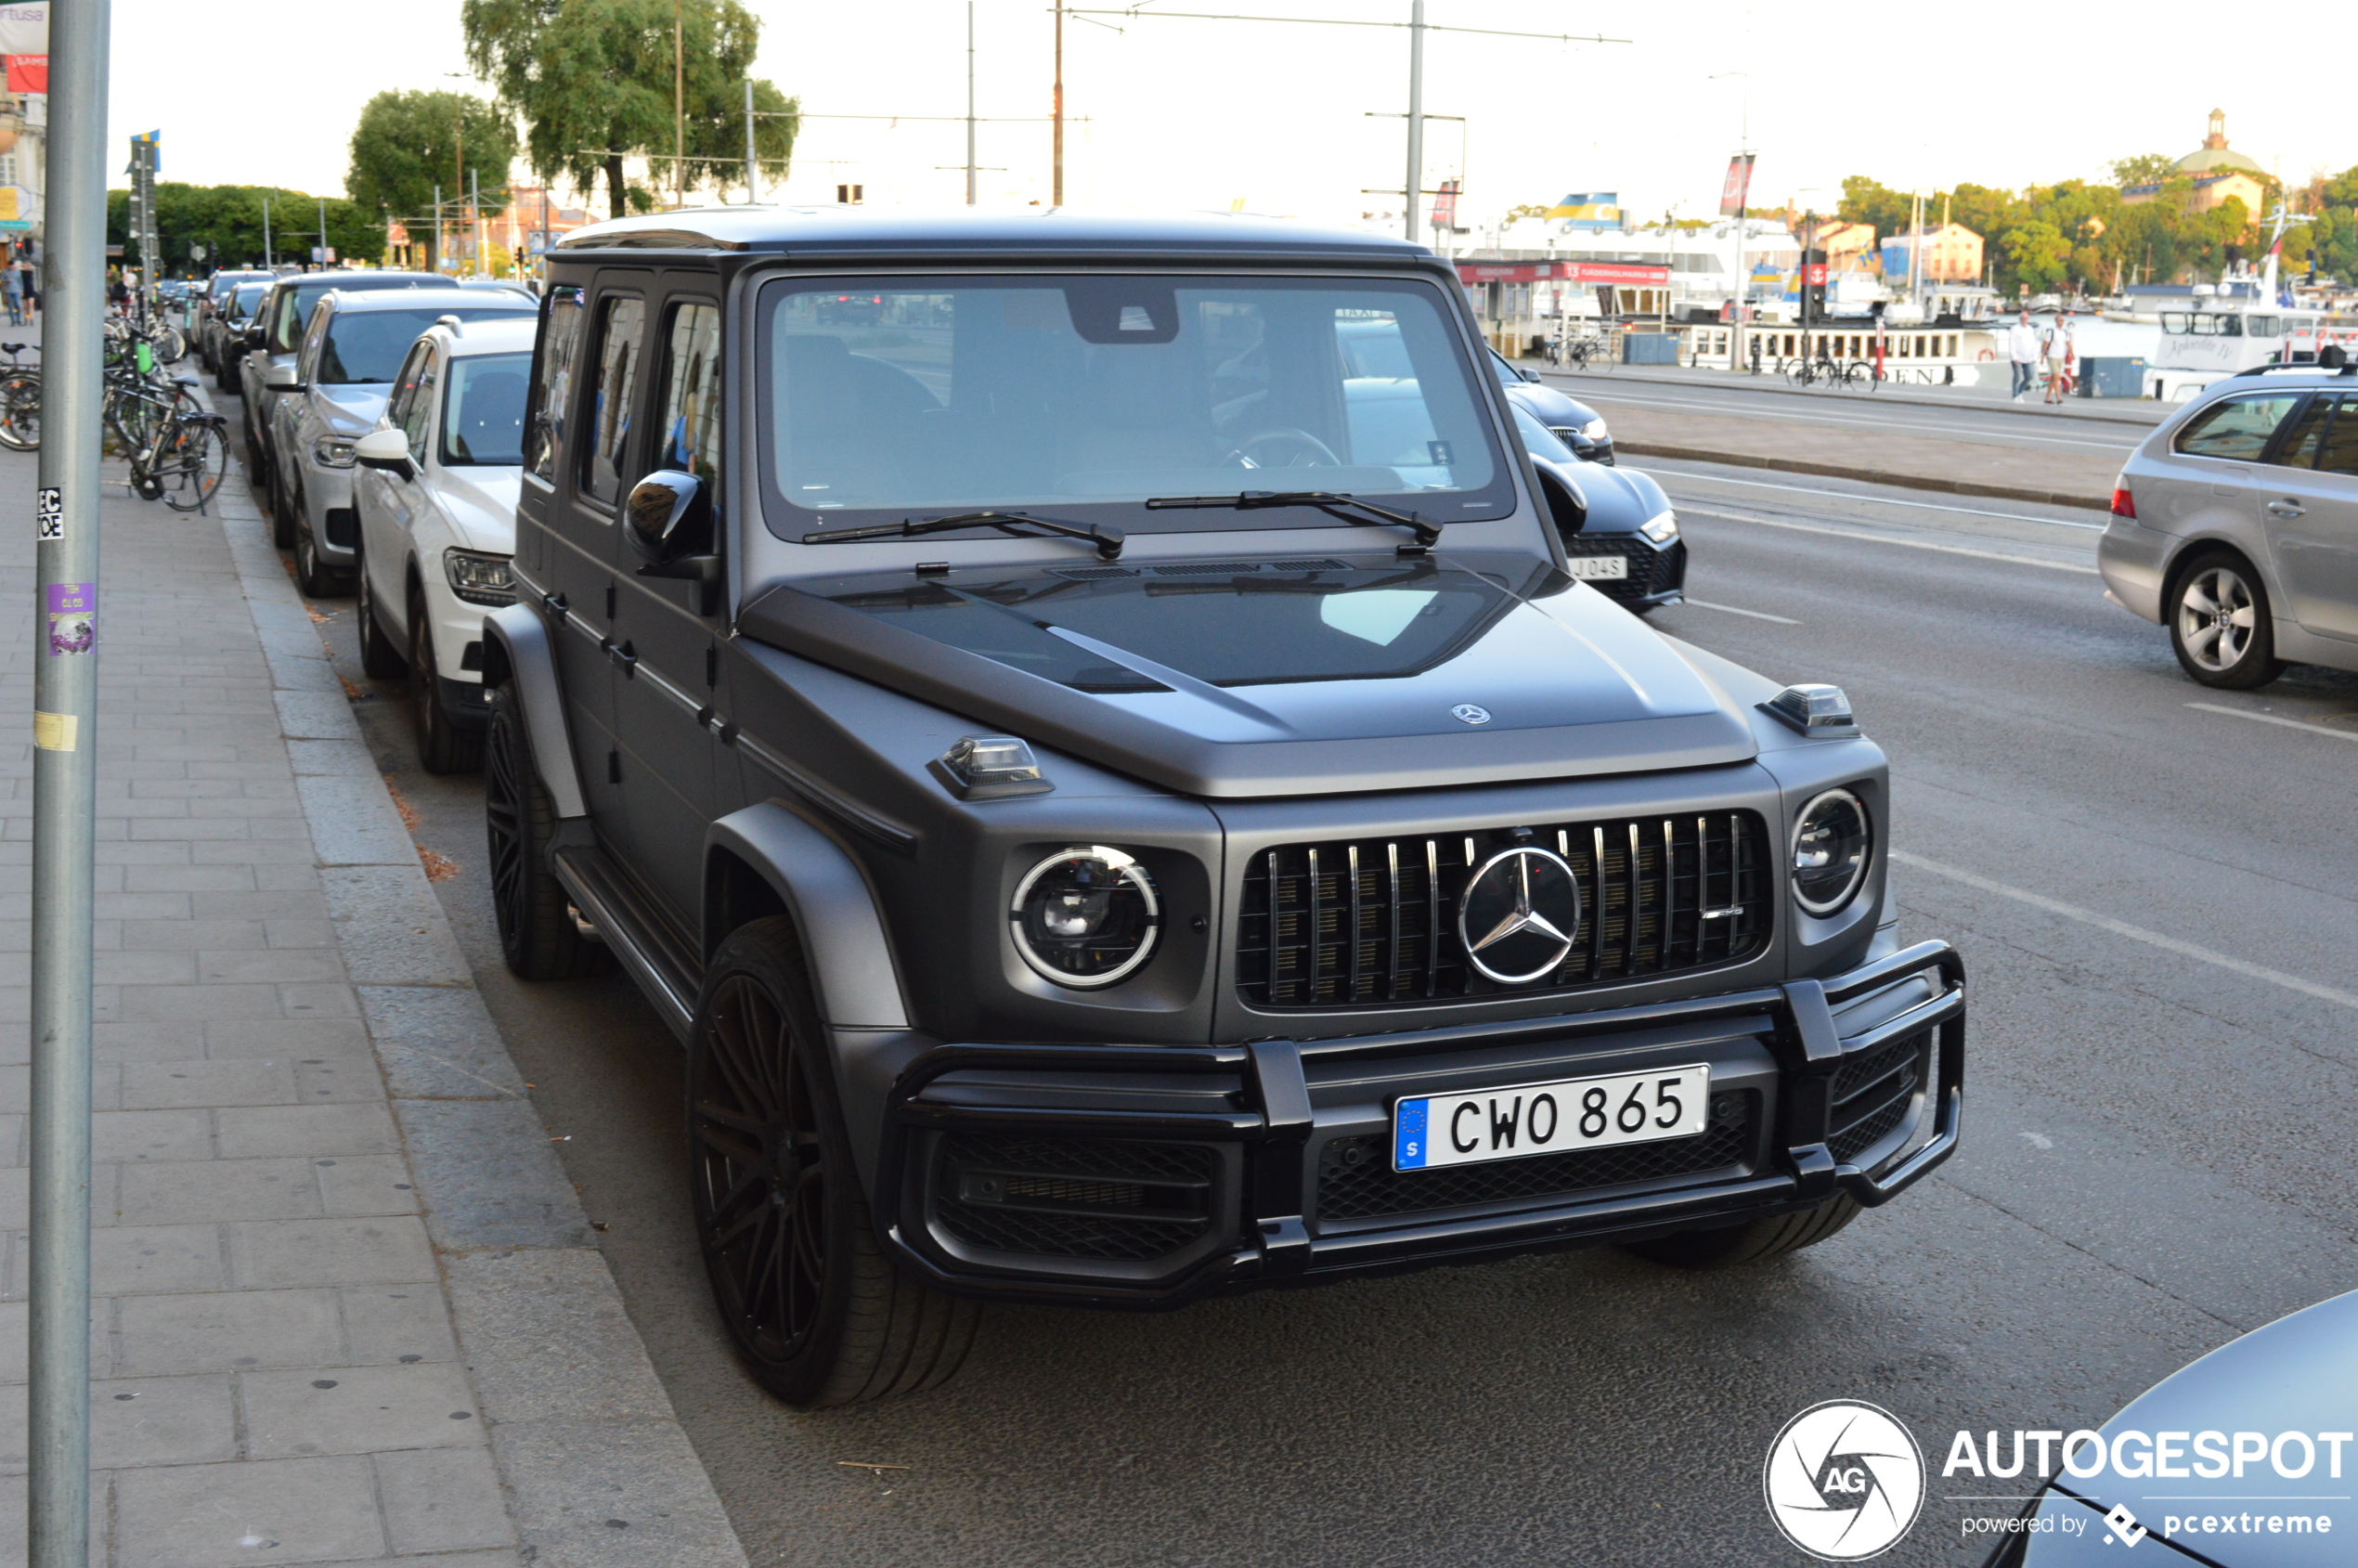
x,y
1813,369
179,452
20,402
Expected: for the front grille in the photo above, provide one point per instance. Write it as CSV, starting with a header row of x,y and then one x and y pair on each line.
x,y
1103,1199
1375,921
1872,1092
1355,1178
1651,571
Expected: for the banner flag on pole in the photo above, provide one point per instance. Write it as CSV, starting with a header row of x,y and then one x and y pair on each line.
x,y
1735,194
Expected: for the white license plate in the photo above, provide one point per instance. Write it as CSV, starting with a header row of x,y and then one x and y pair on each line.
x,y
1628,1108
1613,566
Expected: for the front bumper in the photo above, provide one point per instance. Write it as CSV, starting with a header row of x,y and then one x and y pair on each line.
x,y
1147,1176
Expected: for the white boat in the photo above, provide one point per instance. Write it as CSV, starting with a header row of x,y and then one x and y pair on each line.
x,y
2239,325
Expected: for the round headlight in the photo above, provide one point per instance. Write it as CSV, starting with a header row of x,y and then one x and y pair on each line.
x,y
1085,917
1832,844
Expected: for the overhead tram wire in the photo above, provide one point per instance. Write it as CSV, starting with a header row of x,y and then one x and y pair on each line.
x,y
1412,189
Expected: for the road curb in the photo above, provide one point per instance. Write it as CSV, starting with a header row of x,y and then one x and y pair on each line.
x,y
589,1478
1864,476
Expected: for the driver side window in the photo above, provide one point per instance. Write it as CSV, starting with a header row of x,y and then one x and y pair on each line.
x,y
419,416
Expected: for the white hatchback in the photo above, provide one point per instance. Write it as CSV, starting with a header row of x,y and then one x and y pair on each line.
x,y
436,494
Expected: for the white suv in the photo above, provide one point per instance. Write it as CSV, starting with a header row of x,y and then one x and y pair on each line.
x,y
436,493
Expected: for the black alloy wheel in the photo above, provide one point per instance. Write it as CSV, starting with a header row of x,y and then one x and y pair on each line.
x,y
820,1316
443,747
381,658
539,936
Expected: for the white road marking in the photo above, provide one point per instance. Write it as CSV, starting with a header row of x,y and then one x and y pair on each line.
x,y
2272,719
1731,610
2039,1140
1877,500
2134,933
1912,544
1743,411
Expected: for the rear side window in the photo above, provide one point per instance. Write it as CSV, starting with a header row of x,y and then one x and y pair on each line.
x,y
2340,452
622,321
2298,449
2235,428
559,342
691,393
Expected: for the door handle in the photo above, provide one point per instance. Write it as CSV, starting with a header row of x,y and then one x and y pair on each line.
x,y
2286,509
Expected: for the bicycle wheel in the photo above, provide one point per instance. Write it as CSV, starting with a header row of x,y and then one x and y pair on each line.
x,y
21,411
1798,371
195,458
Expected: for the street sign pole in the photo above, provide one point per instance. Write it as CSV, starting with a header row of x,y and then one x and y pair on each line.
x,y
1416,183
65,764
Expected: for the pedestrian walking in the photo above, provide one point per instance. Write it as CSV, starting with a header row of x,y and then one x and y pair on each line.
x,y
2022,348
2059,354
12,286
30,277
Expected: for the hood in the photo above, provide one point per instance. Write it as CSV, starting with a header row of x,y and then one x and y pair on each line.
x,y
480,499
1241,679
1554,409
353,410
1614,500
2298,1374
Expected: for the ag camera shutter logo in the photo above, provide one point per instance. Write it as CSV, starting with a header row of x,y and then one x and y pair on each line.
x,y
1844,1481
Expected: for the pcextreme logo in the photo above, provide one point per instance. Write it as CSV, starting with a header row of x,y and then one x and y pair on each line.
x,y
1843,1479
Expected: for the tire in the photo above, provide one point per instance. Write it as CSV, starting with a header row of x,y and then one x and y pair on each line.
x,y
443,747
380,658
817,1312
1732,1246
197,461
2220,624
539,936
312,576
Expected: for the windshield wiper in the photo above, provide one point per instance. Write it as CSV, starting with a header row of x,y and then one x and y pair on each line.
x,y
1349,508
1108,540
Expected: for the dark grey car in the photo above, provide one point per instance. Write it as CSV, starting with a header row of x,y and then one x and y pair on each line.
x,y
1122,798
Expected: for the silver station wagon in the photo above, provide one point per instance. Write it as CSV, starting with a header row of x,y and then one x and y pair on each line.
x,y
2236,525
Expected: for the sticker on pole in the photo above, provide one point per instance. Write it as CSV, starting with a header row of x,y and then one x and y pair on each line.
x,y
49,514
55,732
74,618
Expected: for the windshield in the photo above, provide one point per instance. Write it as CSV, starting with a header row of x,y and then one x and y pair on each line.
x,y
241,303
366,346
1079,397
483,409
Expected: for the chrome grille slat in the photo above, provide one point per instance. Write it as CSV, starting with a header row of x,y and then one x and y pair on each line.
x,y
1307,939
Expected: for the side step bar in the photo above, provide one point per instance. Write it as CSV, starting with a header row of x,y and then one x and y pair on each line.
x,y
663,967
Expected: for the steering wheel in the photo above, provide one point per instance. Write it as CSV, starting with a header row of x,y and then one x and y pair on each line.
x,y
1295,448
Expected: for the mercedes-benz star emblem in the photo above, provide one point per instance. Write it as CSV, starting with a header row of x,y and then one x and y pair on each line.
x,y
1470,713
1518,915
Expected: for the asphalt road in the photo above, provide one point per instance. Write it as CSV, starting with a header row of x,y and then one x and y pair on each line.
x,y
2153,897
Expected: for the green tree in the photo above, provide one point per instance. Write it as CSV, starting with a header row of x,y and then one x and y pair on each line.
x,y
593,79
225,220
1868,201
2143,168
405,144
2037,253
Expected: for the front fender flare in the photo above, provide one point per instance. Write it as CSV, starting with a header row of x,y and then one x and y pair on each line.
x,y
516,652
852,971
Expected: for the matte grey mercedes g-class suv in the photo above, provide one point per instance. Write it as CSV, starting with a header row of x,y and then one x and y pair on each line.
x,y
1119,807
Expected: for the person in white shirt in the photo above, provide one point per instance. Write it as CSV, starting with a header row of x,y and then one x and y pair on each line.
x,y
2058,357
2022,347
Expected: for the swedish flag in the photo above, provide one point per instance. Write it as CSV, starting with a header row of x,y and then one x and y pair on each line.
x,y
1596,209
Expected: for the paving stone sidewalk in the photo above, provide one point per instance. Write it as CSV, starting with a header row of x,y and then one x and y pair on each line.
x,y
348,1306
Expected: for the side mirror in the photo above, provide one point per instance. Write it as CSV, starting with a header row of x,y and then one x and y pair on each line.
x,y
668,518
1527,374
281,378
385,449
